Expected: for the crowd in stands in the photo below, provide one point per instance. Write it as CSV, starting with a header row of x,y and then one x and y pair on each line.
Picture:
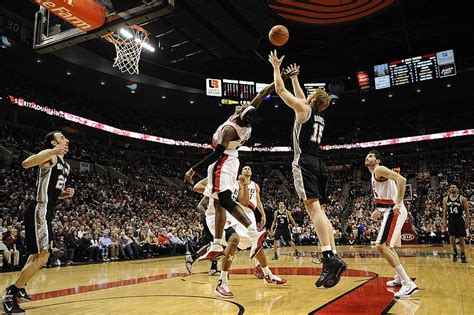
x,y
109,220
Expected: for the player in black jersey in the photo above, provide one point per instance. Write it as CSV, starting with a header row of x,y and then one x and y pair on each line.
x,y
50,186
456,214
281,220
309,172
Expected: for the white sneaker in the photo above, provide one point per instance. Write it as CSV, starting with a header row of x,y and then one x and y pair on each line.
x,y
396,282
223,290
407,290
257,242
214,251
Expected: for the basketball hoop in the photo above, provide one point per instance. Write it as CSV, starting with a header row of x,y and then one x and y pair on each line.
x,y
129,42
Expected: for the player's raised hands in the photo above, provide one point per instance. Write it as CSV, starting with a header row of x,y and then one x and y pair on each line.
x,y
274,60
292,70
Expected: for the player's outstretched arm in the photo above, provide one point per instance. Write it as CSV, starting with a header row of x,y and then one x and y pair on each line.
x,y
466,211
228,134
263,220
294,70
382,171
257,100
298,105
290,217
445,206
274,221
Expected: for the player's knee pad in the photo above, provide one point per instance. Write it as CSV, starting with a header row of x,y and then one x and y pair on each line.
x,y
226,201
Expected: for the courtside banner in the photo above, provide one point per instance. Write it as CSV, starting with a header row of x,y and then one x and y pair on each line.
x,y
19,101
86,15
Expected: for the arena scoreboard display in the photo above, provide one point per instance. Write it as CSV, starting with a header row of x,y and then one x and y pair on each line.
x,y
416,69
234,91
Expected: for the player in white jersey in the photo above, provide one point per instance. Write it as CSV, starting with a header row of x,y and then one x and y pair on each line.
x,y
389,189
236,235
255,203
223,166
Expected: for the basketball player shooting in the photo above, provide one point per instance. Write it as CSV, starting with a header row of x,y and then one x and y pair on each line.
x,y
222,169
309,171
389,189
51,186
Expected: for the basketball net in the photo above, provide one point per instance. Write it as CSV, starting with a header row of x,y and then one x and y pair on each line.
x,y
128,42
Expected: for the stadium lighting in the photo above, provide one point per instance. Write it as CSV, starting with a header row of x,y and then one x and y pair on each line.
x,y
418,90
362,99
126,33
163,96
133,91
276,105
102,82
390,95
68,73
38,60
191,102
148,47
448,85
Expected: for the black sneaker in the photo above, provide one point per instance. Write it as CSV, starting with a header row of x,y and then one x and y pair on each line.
x,y
463,259
297,254
331,271
454,258
332,282
275,257
10,303
23,295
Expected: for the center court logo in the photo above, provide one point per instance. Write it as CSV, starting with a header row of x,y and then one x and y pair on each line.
x,y
408,237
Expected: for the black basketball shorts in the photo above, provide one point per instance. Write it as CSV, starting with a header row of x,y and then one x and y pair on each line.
x,y
457,228
310,177
283,233
38,232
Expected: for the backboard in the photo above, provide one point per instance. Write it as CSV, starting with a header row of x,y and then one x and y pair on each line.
x,y
52,32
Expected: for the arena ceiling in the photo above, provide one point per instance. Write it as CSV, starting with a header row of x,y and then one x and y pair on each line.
x,y
228,39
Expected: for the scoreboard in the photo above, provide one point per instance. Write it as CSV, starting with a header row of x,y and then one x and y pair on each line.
x,y
416,69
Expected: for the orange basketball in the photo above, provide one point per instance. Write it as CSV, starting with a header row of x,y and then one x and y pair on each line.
x,y
278,35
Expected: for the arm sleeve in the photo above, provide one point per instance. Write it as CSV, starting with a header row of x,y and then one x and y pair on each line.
x,y
211,158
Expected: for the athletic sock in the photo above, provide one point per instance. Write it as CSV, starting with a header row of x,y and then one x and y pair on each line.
x,y
256,262
266,271
334,252
218,240
402,273
224,276
214,264
252,228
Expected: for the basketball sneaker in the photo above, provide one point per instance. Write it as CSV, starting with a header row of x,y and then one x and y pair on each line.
x,y
258,272
271,279
214,251
188,260
257,242
407,290
214,272
223,290
23,295
463,258
9,301
332,269
396,282
454,258
332,282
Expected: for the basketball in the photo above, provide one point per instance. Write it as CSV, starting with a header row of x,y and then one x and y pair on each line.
x,y
278,35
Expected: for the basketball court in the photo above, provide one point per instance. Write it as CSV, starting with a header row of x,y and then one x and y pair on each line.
x,y
114,38
163,286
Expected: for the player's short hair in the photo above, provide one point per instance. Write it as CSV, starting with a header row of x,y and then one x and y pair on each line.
x,y
50,137
320,99
376,154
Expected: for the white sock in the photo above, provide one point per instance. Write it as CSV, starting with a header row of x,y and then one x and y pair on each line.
x,y
326,248
266,271
224,276
256,262
218,240
334,252
402,273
